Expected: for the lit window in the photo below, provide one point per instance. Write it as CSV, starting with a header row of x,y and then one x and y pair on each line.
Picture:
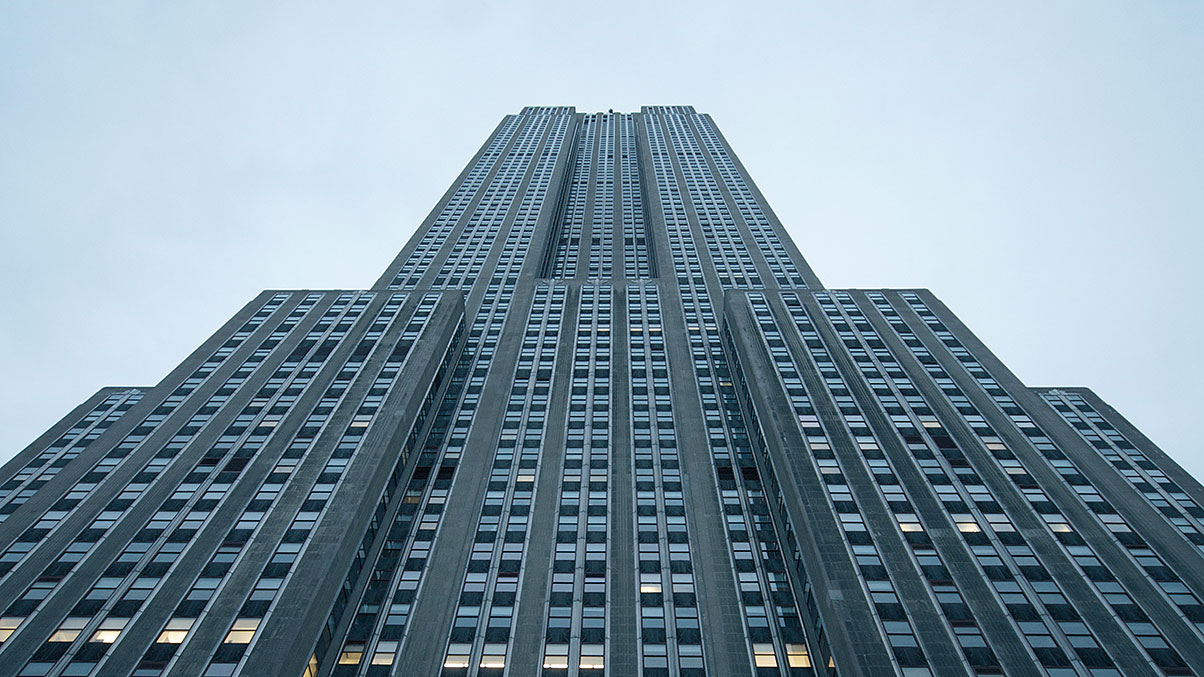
x,y
109,630
493,656
457,656
8,625
352,654
650,583
176,630
556,657
591,656
797,656
968,527
69,630
243,630
763,656
385,652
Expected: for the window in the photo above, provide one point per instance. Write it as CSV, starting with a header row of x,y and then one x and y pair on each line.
x,y
69,630
109,630
8,625
175,632
242,631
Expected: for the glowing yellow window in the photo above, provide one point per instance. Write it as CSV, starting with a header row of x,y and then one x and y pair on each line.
x,y
526,478
243,630
968,527
650,583
1060,528
352,654
493,656
797,656
556,657
764,657
311,668
592,657
69,630
8,625
385,653
109,630
175,632
457,656
910,526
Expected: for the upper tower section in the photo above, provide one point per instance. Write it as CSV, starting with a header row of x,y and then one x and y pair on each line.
x,y
705,205
487,220
602,196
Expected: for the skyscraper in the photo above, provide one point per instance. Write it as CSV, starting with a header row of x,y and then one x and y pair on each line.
x,y
598,417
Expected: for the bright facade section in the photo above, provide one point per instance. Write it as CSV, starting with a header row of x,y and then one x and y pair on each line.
x,y
598,417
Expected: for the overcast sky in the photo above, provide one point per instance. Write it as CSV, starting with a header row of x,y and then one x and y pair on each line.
x,y
1039,166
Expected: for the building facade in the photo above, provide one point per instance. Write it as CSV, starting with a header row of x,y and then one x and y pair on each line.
x,y
598,417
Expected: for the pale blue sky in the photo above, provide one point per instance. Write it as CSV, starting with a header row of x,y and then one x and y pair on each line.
x,y
1039,166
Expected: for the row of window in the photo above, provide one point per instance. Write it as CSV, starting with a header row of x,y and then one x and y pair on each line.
x,y
993,447
781,264
1179,509
262,416
117,456
729,255
466,257
119,592
481,633
263,595
999,551
405,556
437,234
777,641
40,469
575,623
670,639
572,221
591,200
893,617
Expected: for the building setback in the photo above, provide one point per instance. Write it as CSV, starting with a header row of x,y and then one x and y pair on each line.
x,y
598,417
